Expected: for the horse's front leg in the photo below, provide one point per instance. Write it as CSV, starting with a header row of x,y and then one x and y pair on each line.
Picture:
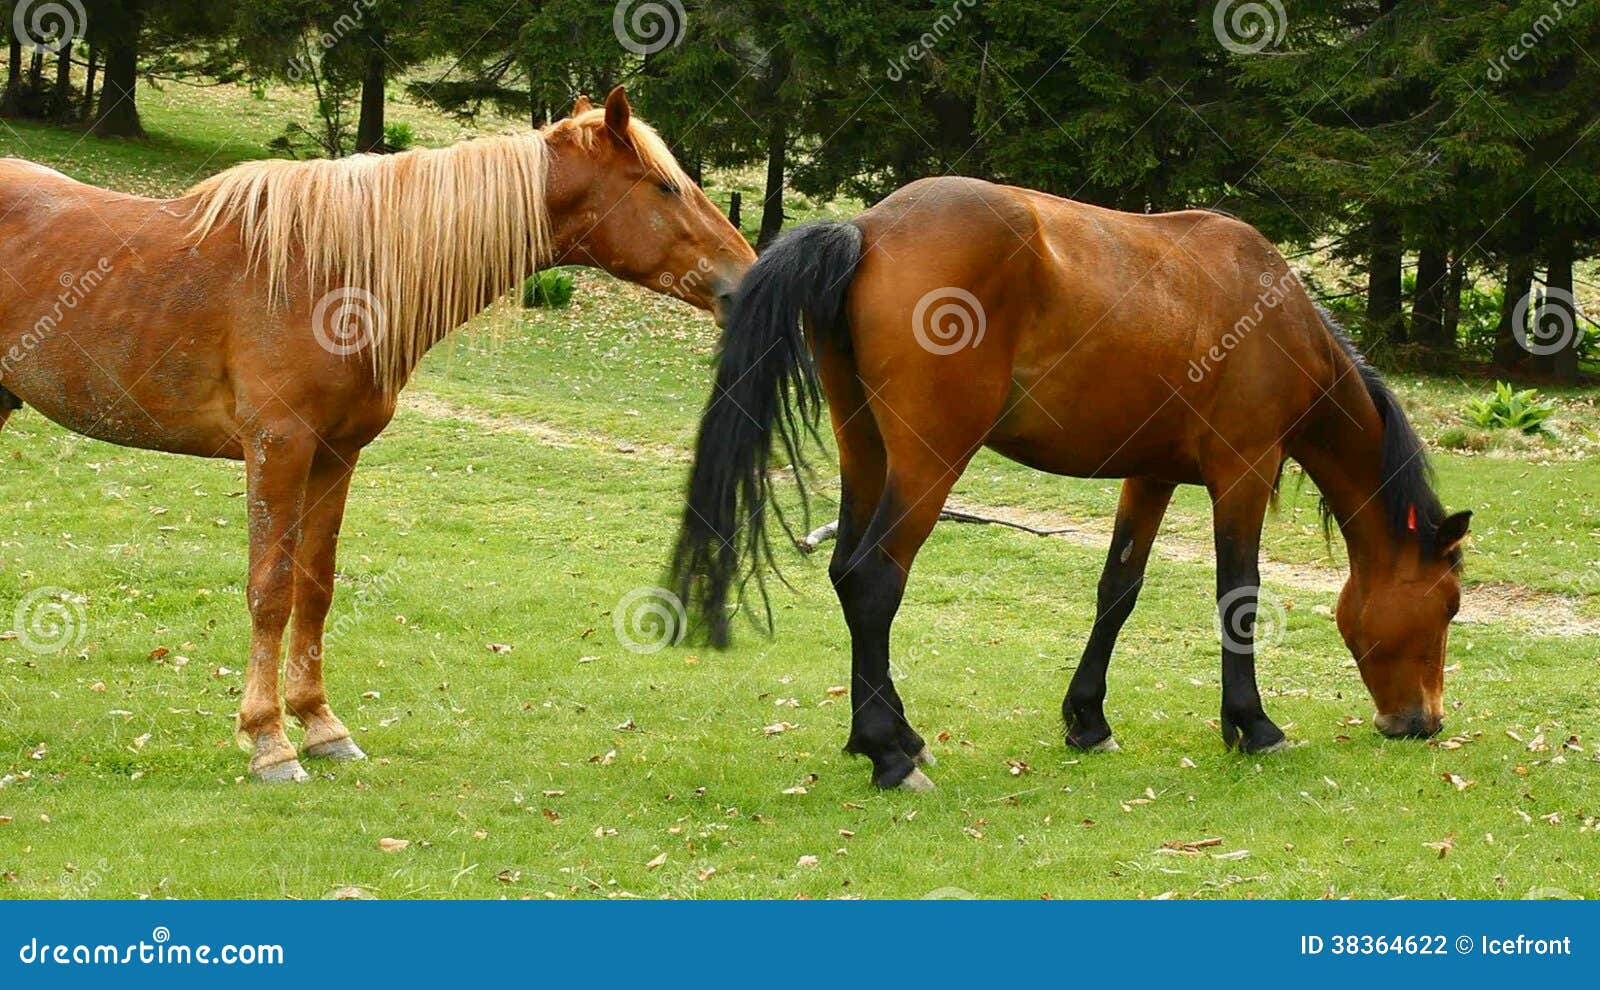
x,y
276,467
1239,505
326,491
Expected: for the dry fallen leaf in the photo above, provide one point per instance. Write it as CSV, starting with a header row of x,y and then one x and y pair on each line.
x,y
776,728
807,861
1460,783
393,845
657,863
1444,845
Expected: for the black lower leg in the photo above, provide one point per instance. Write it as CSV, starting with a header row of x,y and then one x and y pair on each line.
x,y
1244,721
870,586
1139,513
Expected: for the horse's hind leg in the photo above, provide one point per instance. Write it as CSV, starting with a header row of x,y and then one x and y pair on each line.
x,y
276,466
871,584
863,468
1139,513
326,490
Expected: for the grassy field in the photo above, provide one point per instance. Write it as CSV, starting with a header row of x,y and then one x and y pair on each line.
x,y
531,483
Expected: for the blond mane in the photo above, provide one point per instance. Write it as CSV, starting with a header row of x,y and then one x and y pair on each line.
x,y
411,245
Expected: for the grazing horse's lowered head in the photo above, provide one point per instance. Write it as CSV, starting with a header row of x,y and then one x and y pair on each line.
x,y
1404,587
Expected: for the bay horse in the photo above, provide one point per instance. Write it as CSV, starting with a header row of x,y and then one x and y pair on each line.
x,y
272,314
1163,349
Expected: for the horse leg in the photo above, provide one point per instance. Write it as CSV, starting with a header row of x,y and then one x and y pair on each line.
x,y
9,403
871,584
276,467
326,489
862,470
1239,506
1139,512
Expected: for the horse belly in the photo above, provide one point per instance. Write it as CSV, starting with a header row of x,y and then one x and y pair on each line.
x,y
1088,418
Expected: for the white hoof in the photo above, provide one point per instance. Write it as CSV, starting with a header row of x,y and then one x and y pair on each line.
x,y
925,758
1106,745
916,780
343,749
289,771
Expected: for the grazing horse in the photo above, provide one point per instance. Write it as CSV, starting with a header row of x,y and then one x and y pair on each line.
x,y
1163,349
273,313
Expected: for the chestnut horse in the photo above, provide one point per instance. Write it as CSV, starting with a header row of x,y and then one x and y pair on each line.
x,y
1168,349
273,313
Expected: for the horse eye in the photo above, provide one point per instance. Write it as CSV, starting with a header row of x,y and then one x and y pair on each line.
x,y
667,188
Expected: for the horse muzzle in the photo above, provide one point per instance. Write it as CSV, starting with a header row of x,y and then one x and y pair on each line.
x,y
1415,724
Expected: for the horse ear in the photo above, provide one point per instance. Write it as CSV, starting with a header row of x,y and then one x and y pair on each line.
x,y
618,113
581,105
1452,531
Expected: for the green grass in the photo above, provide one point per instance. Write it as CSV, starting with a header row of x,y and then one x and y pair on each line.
x,y
569,765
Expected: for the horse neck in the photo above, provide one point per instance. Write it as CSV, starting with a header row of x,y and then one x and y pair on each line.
x,y
1341,449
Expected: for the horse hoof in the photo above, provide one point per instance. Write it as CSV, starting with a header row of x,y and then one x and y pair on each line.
x,y
343,749
289,771
1106,745
917,781
925,758
1277,747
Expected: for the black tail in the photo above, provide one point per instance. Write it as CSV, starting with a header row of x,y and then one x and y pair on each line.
x,y
766,383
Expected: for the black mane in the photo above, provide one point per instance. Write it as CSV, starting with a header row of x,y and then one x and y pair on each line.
x,y
1407,486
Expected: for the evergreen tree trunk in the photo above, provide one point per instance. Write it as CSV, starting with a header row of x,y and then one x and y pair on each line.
x,y
1427,308
118,114
1450,322
1559,314
89,80
13,76
63,108
1508,352
1385,321
369,130
772,198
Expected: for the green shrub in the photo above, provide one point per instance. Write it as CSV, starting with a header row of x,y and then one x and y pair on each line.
x,y
398,136
551,289
1511,410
